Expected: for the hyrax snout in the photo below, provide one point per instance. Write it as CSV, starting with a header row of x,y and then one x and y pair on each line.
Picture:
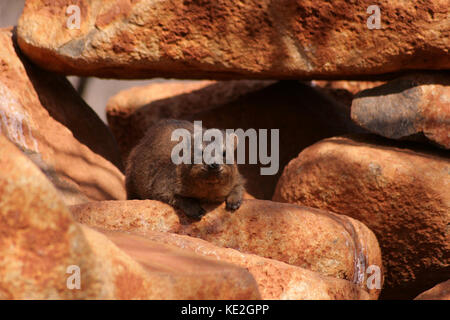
x,y
154,170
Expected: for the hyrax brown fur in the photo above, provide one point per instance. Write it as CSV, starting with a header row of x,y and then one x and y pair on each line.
x,y
151,173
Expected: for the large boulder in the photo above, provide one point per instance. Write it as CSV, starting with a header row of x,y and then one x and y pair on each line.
x,y
302,115
400,191
416,104
39,239
44,116
228,39
333,245
276,280
45,254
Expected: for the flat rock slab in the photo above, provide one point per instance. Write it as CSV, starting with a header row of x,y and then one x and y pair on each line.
x,y
280,39
332,245
415,104
276,280
144,269
400,191
46,118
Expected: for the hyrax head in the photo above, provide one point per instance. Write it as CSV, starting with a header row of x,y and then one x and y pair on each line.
x,y
212,158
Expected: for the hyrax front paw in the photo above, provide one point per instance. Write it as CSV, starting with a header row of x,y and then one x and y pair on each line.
x,y
233,202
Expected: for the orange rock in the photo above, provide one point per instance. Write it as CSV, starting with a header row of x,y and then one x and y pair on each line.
x,y
39,239
416,104
400,191
438,292
230,40
134,268
330,244
44,116
42,248
276,280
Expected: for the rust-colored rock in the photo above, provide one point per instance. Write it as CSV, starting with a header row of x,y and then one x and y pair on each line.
x,y
42,249
418,103
327,243
132,111
136,268
438,292
303,116
228,39
38,238
44,116
399,191
276,280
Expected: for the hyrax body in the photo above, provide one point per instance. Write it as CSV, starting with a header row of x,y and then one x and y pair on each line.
x,y
151,173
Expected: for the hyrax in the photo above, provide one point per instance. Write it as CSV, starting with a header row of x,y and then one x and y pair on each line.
x,y
152,174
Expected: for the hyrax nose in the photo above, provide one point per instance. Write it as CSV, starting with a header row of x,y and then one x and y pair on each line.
x,y
213,166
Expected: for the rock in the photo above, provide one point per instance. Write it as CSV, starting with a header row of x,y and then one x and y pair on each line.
x,y
132,111
42,247
39,239
303,115
276,280
343,91
333,245
438,292
401,192
411,105
134,268
44,116
229,40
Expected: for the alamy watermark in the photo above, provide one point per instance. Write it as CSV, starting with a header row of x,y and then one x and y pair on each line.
x,y
374,279
223,143
74,19
374,20
74,280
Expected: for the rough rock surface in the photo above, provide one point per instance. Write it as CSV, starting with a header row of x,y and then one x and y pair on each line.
x,y
40,243
438,292
330,244
142,269
399,191
132,111
418,103
303,116
276,280
228,39
44,116
38,237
